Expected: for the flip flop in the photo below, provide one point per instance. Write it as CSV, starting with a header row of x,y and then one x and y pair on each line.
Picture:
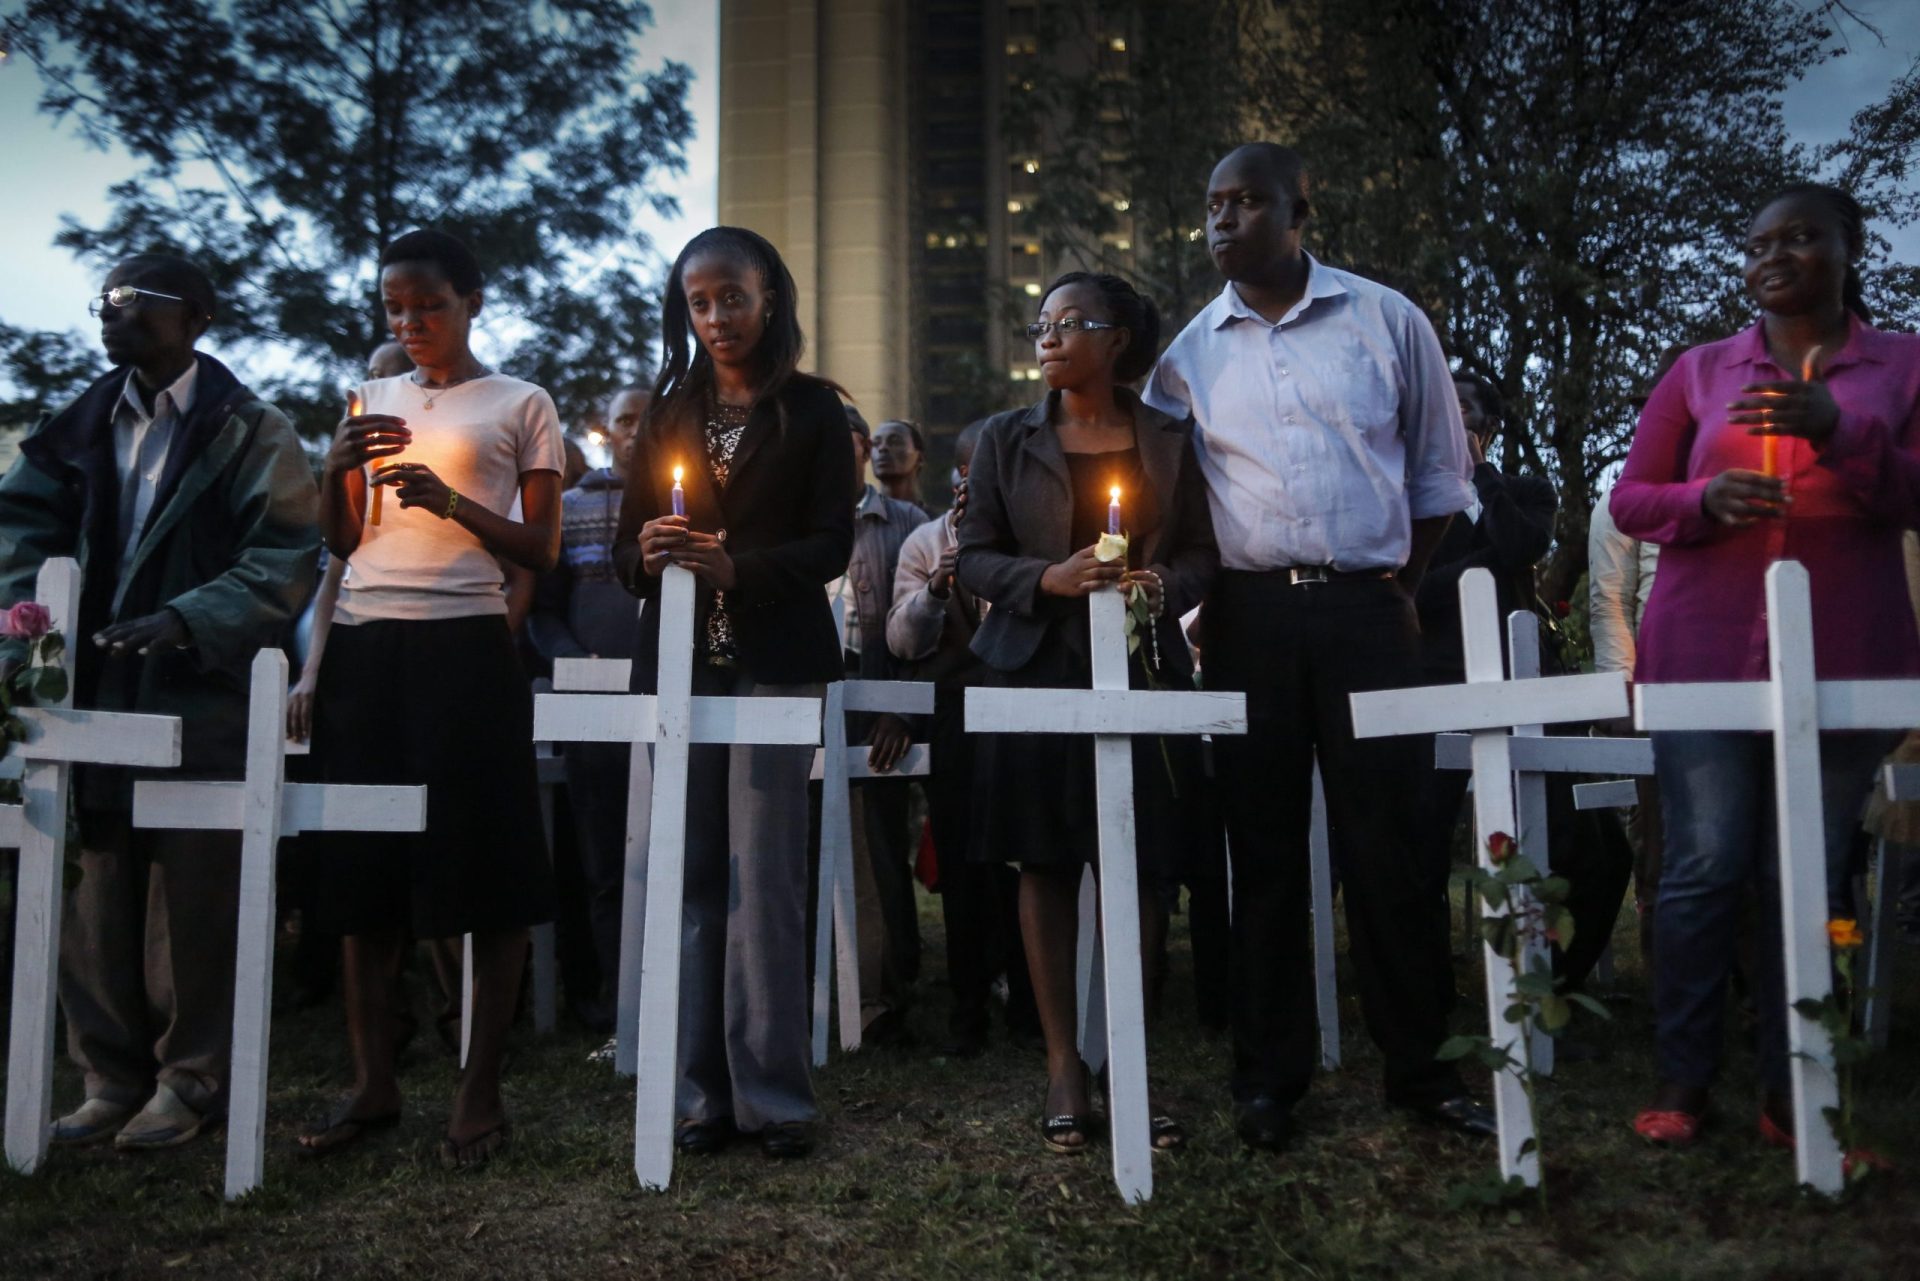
x,y
340,1129
478,1150
1168,1135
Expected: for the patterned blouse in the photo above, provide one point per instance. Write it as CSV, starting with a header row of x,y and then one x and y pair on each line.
x,y
724,427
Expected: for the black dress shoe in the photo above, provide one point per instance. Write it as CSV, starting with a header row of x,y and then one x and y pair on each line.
x,y
703,1138
1461,1113
1263,1123
787,1140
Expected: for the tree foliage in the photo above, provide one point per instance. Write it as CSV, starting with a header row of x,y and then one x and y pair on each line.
x,y
285,143
45,369
1561,185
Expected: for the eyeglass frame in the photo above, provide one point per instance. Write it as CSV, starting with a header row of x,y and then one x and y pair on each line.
x,y
97,304
1067,325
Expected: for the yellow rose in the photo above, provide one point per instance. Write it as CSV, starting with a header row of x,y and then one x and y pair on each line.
x,y
1845,934
1110,548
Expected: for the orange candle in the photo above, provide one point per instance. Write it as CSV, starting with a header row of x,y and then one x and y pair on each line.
x,y
354,408
1770,455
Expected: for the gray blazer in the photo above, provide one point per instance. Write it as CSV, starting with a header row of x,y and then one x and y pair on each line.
x,y
1020,507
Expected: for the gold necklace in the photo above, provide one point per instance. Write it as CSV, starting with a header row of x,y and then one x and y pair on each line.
x,y
432,393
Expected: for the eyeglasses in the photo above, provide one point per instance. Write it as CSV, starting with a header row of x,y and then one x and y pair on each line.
x,y
1067,325
124,296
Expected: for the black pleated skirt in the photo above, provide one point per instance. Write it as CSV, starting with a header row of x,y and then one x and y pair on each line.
x,y
445,703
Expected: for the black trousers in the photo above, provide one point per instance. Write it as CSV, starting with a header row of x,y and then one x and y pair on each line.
x,y
1298,652
597,777
979,902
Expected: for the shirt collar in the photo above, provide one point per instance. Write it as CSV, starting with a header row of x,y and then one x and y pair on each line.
x,y
1861,347
869,504
179,394
1321,283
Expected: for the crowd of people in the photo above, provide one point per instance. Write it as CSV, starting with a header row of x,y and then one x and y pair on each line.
x,y
1307,477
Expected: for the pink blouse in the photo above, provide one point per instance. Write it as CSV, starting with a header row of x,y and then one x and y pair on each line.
x,y
1706,620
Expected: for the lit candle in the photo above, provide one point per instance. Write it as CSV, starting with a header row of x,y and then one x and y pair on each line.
x,y
679,495
354,408
1113,511
1770,455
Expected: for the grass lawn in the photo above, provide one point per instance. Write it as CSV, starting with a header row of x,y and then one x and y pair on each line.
x,y
932,1168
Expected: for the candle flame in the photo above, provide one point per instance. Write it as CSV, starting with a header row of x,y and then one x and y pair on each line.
x,y
1115,491
1810,366
676,475
353,404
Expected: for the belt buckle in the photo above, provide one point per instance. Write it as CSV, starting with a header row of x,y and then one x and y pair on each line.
x,y
1308,574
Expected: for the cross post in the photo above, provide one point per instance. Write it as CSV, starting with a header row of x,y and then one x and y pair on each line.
x,y
264,807
1113,714
1490,706
672,720
57,739
1794,707
837,765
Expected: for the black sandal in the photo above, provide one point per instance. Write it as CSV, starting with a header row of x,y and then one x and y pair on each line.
x,y
1058,1130
1168,1135
340,1129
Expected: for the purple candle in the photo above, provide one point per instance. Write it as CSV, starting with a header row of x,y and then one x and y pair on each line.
x,y
679,495
1113,512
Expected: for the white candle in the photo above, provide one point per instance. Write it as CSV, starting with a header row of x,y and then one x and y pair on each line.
x,y
679,495
1113,511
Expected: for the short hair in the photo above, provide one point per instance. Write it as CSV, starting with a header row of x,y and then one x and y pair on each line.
x,y
913,430
630,389
444,250
1287,164
1490,398
969,437
1125,306
170,273
857,421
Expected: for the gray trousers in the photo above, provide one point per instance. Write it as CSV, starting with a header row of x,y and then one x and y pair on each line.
x,y
743,945
146,963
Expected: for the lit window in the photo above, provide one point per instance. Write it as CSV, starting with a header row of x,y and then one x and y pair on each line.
x,y
1195,234
1123,245
1033,289
1032,166
1118,44
1033,375
1014,206
1032,247
953,242
1122,205
933,240
1017,375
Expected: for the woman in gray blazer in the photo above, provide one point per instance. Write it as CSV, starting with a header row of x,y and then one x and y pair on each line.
x,y
1038,499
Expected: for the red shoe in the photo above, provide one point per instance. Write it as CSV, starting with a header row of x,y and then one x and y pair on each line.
x,y
1668,1129
1772,1134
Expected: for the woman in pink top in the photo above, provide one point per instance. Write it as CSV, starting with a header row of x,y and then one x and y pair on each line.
x,y
1842,400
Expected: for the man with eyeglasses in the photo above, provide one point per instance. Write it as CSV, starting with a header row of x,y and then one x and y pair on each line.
x,y
194,515
1330,436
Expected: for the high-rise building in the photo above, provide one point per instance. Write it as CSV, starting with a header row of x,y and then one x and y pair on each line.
x,y
868,140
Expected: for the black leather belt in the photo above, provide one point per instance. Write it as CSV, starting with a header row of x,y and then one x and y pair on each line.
x,y
1301,575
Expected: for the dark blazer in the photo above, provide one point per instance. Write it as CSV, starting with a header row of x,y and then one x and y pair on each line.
x,y
1514,531
787,512
1020,508
230,546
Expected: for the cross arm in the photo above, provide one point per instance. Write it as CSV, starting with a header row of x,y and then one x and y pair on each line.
x,y
902,698
100,738
593,675
913,763
305,807
1105,711
1489,705
634,718
1747,705
1554,754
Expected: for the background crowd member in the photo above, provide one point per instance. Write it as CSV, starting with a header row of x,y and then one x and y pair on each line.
x,y
1848,483
1038,493
583,611
1329,494
767,458
889,925
931,627
899,450
420,683
192,507
1620,573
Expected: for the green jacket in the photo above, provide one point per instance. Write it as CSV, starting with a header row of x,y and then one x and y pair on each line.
x,y
231,546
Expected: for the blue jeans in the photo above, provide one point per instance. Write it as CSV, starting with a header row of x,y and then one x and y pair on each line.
x,y
1716,797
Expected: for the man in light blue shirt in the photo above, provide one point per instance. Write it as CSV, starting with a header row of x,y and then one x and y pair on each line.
x,y
1329,432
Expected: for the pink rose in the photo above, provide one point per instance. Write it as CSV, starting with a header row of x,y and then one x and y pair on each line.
x,y
29,620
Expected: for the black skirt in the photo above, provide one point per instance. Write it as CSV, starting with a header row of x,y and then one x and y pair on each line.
x,y
1033,794
442,702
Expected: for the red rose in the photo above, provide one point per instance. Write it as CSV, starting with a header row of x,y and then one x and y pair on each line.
x,y
1562,608
1500,848
29,620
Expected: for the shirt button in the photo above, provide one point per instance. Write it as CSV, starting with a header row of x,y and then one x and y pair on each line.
x,y
1283,371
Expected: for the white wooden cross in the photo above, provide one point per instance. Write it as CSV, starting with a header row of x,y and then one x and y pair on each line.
x,y
265,807
1490,706
1113,714
1534,755
672,721
837,765
1794,707
57,739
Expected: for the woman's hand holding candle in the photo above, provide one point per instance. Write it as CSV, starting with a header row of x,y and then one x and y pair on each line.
x,y
361,440
1773,409
1082,574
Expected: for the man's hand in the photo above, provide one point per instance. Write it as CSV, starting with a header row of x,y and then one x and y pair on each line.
x,y
888,743
300,711
940,585
155,634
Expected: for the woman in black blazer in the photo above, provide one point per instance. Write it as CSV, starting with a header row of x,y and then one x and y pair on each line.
x,y
1037,501
766,457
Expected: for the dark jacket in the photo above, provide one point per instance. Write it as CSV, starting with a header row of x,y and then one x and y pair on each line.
x,y
1513,532
230,546
580,610
1019,514
787,512
880,526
